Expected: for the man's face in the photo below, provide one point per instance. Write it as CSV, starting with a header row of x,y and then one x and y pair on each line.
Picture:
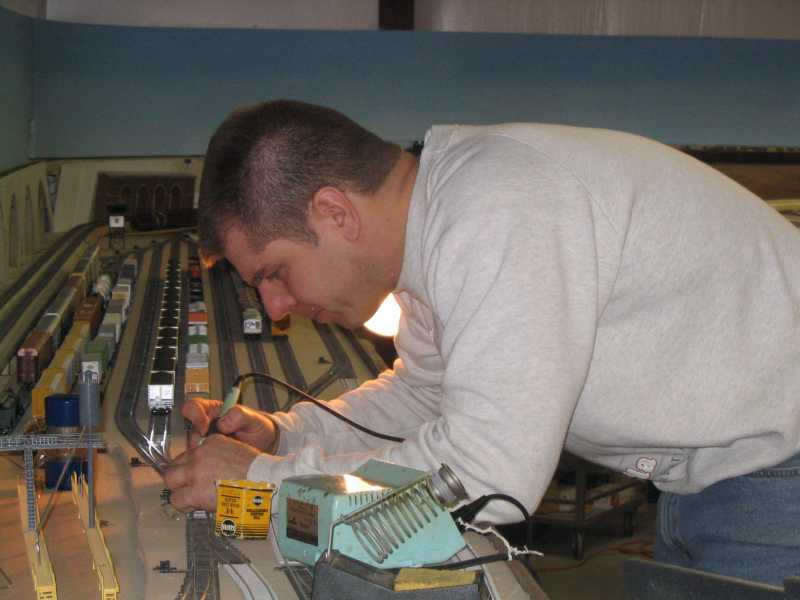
x,y
327,282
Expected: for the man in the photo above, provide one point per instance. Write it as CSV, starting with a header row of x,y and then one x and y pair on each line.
x,y
560,287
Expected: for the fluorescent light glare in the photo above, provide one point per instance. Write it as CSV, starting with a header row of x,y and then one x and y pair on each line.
x,y
386,319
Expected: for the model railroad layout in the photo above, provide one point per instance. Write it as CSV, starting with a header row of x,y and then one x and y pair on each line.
x,y
79,332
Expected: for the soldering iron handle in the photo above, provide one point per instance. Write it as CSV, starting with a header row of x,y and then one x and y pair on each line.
x,y
231,399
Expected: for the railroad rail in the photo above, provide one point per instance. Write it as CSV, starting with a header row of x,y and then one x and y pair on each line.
x,y
369,362
134,388
204,551
66,245
183,340
342,368
202,577
290,366
302,579
225,322
159,424
265,391
216,550
252,585
29,292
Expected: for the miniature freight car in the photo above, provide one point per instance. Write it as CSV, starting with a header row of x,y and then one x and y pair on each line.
x,y
250,307
102,287
33,356
63,308
91,312
252,322
160,392
95,359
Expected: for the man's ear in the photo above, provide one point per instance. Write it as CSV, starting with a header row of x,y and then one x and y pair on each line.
x,y
332,208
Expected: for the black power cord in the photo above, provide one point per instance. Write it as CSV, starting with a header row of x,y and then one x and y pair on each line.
x,y
467,514
320,403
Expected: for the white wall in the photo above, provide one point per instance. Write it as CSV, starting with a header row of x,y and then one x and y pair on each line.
x,y
778,19
256,14
706,18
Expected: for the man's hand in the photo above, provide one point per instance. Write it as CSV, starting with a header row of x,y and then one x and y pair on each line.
x,y
193,474
244,424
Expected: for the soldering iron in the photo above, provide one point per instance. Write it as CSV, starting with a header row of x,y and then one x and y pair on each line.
x,y
233,395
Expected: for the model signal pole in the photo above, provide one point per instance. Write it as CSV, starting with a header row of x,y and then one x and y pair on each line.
x,y
116,225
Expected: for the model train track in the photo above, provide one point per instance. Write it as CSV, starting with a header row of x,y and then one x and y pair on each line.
x,y
56,260
66,245
265,391
342,368
251,583
134,388
202,578
290,366
225,323
362,353
183,346
204,550
302,579
207,551
159,424
202,565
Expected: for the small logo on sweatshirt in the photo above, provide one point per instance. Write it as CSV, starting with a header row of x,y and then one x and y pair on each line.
x,y
644,467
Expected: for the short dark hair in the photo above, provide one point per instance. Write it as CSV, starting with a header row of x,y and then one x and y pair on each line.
x,y
266,161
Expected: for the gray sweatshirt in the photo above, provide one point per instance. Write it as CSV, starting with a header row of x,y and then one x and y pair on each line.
x,y
581,288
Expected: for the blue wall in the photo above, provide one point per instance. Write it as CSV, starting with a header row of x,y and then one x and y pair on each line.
x,y
16,77
102,91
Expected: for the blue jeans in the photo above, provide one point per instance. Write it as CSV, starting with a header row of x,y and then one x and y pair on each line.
x,y
746,527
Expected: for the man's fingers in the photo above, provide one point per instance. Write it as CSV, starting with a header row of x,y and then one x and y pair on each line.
x,y
200,411
181,459
192,475
182,499
194,439
192,408
177,476
236,418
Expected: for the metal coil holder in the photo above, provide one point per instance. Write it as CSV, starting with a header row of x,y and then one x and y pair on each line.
x,y
382,527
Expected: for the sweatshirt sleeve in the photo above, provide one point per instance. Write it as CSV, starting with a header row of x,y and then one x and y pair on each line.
x,y
510,269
